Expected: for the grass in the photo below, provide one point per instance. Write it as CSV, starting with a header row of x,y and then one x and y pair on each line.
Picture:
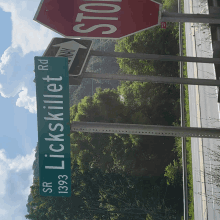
x,y
188,139
178,144
178,141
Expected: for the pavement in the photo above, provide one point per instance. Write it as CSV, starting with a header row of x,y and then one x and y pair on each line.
x,y
204,112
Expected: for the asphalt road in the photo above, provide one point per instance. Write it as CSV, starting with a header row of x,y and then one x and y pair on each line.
x,y
204,112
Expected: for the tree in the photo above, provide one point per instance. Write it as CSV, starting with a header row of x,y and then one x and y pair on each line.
x,y
110,172
117,176
97,65
135,154
152,41
99,195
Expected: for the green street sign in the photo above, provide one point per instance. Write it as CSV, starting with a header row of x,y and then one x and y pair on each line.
x,y
53,117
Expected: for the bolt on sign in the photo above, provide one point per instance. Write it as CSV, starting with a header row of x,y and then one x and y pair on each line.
x,y
53,117
112,19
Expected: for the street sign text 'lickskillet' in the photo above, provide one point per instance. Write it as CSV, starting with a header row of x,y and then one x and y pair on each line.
x,y
98,19
52,89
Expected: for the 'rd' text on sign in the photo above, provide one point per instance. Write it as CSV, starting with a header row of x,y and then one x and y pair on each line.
x,y
52,90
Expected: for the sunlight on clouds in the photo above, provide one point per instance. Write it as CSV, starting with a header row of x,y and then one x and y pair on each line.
x,y
10,210
28,40
3,172
11,81
6,64
3,212
1,91
26,101
16,179
6,5
22,162
27,190
25,32
2,156
17,164
16,76
4,60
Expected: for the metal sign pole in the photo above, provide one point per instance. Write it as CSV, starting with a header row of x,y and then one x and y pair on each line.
x,y
194,18
146,78
182,111
98,127
154,79
144,56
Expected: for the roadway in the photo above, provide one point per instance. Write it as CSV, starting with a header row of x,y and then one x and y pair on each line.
x,y
204,112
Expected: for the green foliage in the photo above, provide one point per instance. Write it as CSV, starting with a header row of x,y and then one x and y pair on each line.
x,y
188,140
104,106
117,176
155,103
136,155
152,41
170,5
173,173
99,195
97,65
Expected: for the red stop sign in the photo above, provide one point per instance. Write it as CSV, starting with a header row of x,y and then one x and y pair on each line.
x,y
98,18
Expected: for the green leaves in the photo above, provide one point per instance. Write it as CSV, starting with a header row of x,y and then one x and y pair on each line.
x,y
104,106
173,172
117,176
152,41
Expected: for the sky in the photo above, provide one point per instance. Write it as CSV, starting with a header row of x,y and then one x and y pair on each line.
x,y
21,40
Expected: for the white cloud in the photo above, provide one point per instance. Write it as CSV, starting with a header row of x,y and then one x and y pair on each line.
x,y
16,179
26,101
11,212
27,190
21,162
18,164
17,78
26,33
29,39
3,172
4,60
3,212
11,81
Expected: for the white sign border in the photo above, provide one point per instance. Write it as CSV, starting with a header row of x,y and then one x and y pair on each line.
x,y
72,37
50,44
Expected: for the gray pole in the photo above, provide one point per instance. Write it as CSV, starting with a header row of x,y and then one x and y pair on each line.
x,y
154,79
98,127
182,110
155,57
194,18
